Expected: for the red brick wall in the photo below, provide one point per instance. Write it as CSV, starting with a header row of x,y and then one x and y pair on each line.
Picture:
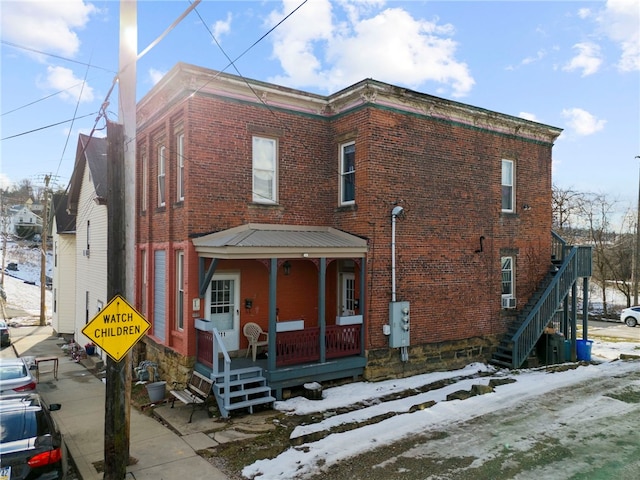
x,y
446,176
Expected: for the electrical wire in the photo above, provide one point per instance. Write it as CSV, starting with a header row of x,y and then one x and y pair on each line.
x,y
47,126
55,56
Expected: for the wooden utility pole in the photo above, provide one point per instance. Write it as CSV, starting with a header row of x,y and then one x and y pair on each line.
x,y
43,250
118,375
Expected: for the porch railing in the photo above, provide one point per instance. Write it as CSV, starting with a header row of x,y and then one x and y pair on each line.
x,y
302,346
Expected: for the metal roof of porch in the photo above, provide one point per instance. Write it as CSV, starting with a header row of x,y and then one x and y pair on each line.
x,y
256,240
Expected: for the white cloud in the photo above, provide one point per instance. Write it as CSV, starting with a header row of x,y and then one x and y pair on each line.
x,y
222,27
620,21
156,75
582,122
588,59
5,182
46,25
584,13
528,116
71,87
314,48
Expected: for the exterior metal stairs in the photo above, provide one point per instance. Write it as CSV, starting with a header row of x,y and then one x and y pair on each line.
x,y
241,388
522,335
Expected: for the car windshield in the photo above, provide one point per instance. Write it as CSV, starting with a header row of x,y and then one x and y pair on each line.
x,y
10,372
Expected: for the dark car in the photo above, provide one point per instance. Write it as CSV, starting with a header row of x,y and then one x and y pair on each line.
x,y
5,336
31,445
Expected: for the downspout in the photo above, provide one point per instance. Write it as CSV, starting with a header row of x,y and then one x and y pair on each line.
x,y
394,214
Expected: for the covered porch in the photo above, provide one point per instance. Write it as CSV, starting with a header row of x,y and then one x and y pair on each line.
x,y
325,344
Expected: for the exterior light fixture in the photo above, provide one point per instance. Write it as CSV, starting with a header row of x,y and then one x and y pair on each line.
x,y
286,267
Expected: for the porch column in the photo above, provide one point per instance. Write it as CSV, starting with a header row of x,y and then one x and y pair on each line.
x,y
322,298
585,307
271,348
363,302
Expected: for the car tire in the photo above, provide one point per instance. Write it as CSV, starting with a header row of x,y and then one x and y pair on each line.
x,y
630,322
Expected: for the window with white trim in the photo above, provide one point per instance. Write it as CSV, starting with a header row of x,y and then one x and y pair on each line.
x,y
508,279
179,290
507,186
347,173
180,166
145,183
161,175
264,170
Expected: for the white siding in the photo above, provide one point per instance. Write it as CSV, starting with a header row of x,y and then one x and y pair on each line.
x,y
64,282
91,270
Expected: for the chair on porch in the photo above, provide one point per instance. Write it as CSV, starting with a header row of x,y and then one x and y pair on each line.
x,y
253,332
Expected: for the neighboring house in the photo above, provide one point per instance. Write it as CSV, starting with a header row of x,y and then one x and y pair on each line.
x,y
374,232
24,223
87,194
63,237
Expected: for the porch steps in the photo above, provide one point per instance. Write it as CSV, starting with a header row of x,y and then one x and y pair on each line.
x,y
247,387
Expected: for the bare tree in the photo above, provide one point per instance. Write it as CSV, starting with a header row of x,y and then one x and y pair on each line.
x,y
567,210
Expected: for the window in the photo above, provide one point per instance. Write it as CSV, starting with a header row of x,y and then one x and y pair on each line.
x,y
161,175
180,290
264,170
507,277
348,173
507,186
180,166
145,183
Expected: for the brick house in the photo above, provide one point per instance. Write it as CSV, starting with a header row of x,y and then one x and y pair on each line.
x,y
322,218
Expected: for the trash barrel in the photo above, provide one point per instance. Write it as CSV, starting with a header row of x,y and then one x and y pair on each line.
x,y
567,350
156,391
583,350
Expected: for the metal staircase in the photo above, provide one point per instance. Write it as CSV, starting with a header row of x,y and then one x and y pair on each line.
x,y
241,388
570,264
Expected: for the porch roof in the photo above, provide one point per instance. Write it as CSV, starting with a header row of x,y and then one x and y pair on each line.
x,y
255,240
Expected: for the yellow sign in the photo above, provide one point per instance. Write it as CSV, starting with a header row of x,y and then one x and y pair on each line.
x,y
116,328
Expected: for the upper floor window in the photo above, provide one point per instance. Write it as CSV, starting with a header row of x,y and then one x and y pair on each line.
x,y
161,175
347,173
145,183
264,170
180,166
507,186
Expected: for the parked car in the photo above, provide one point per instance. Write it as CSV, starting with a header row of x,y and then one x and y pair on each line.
x,y
15,377
5,335
630,316
31,444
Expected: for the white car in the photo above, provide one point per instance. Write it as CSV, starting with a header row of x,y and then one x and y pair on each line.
x,y
15,377
630,316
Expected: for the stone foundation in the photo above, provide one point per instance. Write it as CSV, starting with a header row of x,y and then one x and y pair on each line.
x,y
172,367
386,363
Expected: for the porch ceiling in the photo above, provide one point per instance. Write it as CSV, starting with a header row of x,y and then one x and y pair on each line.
x,y
255,240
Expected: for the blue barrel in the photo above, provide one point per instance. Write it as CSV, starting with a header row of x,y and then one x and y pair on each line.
x,y
583,350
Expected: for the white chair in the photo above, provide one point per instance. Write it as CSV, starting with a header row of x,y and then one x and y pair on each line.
x,y
253,332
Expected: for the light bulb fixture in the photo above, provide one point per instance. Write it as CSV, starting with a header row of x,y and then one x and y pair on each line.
x,y
286,267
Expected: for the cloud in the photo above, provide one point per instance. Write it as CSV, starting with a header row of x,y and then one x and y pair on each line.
x,y
156,75
528,116
46,25
222,27
5,182
620,21
582,122
70,87
316,48
588,59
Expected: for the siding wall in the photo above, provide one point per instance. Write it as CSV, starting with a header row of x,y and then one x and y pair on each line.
x,y
64,283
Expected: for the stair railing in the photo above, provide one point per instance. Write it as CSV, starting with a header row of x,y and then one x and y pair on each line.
x,y
544,310
218,344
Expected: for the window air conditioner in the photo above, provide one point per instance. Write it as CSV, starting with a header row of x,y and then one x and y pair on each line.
x,y
508,302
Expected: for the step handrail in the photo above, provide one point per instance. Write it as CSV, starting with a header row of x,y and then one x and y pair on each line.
x,y
217,343
545,308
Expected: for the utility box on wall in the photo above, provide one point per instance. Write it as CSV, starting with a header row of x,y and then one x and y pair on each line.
x,y
399,323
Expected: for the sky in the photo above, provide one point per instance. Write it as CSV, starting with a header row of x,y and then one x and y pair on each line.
x,y
570,64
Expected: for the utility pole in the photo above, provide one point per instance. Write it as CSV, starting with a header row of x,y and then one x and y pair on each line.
x,y
43,250
636,253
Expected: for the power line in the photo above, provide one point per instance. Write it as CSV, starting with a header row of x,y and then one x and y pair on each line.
x,y
48,126
55,56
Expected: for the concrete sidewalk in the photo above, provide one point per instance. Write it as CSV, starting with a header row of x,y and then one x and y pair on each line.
x,y
161,454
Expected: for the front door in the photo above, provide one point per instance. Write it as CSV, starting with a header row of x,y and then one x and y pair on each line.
x,y
222,308
348,295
